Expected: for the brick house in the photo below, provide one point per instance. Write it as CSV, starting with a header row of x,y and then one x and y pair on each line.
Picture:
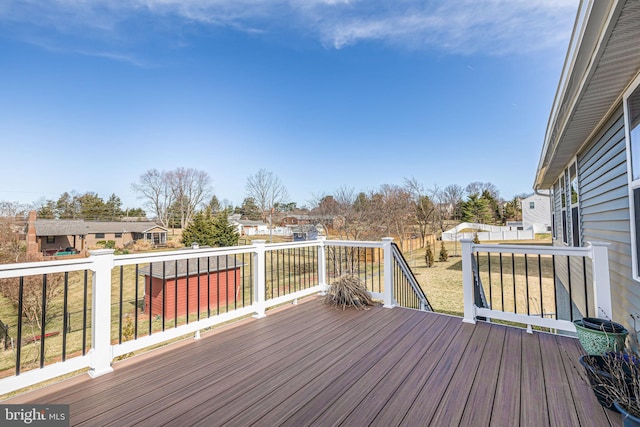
x,y
50,236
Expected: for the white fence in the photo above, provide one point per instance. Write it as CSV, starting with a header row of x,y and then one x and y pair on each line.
x,y
277,231
489,233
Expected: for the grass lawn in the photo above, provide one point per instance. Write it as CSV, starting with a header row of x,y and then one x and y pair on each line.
x,y
442,283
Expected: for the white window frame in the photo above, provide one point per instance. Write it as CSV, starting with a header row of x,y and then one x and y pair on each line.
x,y
632,184
574,166
565,220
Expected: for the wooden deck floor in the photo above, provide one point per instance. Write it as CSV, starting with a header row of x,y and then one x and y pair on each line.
x,y
313,365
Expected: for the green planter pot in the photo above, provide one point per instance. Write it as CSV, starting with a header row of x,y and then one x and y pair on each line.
x,y
628,420
596,342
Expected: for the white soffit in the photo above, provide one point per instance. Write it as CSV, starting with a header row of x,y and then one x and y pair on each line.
x,y
591,93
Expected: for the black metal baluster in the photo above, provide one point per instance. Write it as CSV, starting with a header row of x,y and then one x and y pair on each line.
x,y
65,320
513,275
526,278
148,299
84,312
570,288
501,281
198,288
540,279
218,285
209,286
164,293
584,282
120,307
19,336
555,289
135,320
235,284
489,274
43,319
187,291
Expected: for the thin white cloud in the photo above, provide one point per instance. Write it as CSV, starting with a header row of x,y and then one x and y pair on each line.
x,y
462,26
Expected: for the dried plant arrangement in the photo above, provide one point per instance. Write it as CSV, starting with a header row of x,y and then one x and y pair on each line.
x,y
349,291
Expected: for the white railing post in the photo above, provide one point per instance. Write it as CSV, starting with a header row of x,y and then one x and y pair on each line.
x,y
101,355
389,301
322,265
467,281
601,280
259,279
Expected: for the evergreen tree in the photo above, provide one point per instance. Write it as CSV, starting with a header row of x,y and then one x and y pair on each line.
x,y
444,255
200,230
214,205
476,209
428,257
250,210
224,234
113,208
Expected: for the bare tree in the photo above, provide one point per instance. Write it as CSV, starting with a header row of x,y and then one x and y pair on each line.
x,y
190,188
153,187
479,187
13,210
452,196
397,210
423,206
266,190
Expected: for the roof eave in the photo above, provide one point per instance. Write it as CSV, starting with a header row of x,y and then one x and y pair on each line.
x,y
593,25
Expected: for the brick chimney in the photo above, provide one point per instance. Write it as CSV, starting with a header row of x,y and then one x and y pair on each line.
x,y
33,251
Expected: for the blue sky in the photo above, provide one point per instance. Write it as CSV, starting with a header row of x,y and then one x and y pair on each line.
x,y
324,93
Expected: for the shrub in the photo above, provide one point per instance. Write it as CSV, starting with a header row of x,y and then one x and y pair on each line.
x,y
428,257
444,255
141,246
173,244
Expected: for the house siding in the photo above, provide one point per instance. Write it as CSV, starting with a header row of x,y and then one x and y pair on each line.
x,y
604,214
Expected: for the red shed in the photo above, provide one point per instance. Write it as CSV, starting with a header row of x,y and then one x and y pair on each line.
x,y
215,279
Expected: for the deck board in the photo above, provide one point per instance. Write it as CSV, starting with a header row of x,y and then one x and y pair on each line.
x,y
313,365
533,405
481,396
506,403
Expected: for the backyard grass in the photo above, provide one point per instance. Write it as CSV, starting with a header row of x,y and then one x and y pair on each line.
x,y
442,283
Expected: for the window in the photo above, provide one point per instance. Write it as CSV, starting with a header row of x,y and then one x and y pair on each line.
x,y
532,205
99,235
632,121
569,202
575,212
117,235
563,197
51,239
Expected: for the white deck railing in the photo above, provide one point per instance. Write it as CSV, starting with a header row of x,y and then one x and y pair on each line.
x,y
103,264
599,284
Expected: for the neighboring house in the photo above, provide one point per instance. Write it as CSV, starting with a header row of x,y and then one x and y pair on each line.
x,y
246,226
214,282
590,162
536,213
52,235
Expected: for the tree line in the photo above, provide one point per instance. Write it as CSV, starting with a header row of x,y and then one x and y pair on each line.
x,y
173,198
